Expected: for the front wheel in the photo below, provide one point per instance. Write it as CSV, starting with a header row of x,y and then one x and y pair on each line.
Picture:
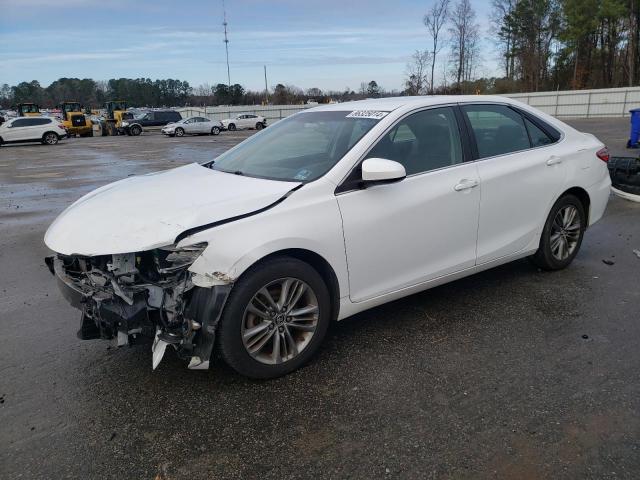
x,y
179,132
50,138
259,126
232,127
215,131
275,318
562,234
136,130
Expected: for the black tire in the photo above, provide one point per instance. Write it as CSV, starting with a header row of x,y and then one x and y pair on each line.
x,y
50,138
230,343
179,132
136,130
259,126
544,258
232,127
215,131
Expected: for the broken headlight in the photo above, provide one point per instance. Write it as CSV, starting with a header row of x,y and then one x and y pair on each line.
x,y
171,259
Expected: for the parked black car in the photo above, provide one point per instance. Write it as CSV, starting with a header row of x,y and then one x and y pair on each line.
x,y
155,118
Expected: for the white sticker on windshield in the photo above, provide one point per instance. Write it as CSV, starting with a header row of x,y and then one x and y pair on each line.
x,y
375,114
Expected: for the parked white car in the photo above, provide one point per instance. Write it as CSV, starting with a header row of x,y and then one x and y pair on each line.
x,y
244,121
47,130
329,212
193,126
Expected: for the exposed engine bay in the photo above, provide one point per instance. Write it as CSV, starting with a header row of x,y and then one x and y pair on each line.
x,y
143,297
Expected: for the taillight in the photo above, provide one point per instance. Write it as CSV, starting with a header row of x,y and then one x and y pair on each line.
x,y
61,125
603,154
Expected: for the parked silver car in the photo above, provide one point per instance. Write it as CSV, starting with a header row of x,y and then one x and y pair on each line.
x,y
193,126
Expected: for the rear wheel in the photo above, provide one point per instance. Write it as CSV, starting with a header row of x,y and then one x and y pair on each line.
x,y
179,132
275,318
232,127
215,131
50,138
136,130
562,234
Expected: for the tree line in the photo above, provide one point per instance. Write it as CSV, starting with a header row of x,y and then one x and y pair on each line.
x,y
143,92
540,45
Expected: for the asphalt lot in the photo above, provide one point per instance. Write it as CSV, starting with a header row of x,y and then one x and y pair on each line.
x,y
511,373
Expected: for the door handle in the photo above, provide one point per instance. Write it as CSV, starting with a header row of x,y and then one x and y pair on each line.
x,y
465,184
553,160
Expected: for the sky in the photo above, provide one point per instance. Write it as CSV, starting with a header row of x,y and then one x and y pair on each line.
x,y
329,44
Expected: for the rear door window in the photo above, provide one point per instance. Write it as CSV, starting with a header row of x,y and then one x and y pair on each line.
x,y
497,129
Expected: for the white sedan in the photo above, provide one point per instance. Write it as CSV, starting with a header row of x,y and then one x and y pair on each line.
x,y
329,212
192,126
244,121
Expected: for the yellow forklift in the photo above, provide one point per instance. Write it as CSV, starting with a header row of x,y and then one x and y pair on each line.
x,y
28,110
75,121
115,113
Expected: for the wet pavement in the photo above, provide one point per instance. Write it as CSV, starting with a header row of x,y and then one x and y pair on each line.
x,y
511,373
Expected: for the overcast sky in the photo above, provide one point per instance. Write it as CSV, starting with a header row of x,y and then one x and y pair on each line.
x,y
330,44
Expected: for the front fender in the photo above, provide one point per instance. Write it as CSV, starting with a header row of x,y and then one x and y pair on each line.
x,y
309,219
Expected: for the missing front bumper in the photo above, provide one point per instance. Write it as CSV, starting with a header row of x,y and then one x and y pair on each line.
x,y
130,317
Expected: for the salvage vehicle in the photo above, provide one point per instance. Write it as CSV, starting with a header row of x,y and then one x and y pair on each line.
x,y
193,126
327,213
74,120
154,118
243,121
46,130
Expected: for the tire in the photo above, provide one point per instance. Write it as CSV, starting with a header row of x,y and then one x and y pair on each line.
x,y
236,320
215,131
50,138
135,130
259,126
232,127
560,241
179,132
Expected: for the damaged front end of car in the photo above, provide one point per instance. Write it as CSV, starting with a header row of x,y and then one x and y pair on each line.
x,y
144,296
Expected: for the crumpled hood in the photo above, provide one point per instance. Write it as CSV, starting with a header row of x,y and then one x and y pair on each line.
x,y
149,211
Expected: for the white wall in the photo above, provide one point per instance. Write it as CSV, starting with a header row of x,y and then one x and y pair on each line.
x,y
606,102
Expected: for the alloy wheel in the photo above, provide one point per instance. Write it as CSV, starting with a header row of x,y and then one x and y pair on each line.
x,y
280,320
565,232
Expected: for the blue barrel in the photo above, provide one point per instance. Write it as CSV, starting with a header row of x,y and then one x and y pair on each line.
x,y
634,136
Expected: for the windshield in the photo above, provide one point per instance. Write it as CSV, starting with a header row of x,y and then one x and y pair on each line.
x,y
302,147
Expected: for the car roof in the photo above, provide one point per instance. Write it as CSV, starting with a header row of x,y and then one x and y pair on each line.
x,y
392,103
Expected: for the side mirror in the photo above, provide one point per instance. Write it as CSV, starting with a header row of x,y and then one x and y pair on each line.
x,y
382,170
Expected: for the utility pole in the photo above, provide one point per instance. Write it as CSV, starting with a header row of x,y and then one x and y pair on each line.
x,y
266,88
226,42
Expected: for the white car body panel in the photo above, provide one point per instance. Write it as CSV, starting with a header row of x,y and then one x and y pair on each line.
x,y
422,214
149,211
382,243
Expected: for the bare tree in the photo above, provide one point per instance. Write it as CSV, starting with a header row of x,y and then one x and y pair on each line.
x,y
464,40
434,20
417,81
503,34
